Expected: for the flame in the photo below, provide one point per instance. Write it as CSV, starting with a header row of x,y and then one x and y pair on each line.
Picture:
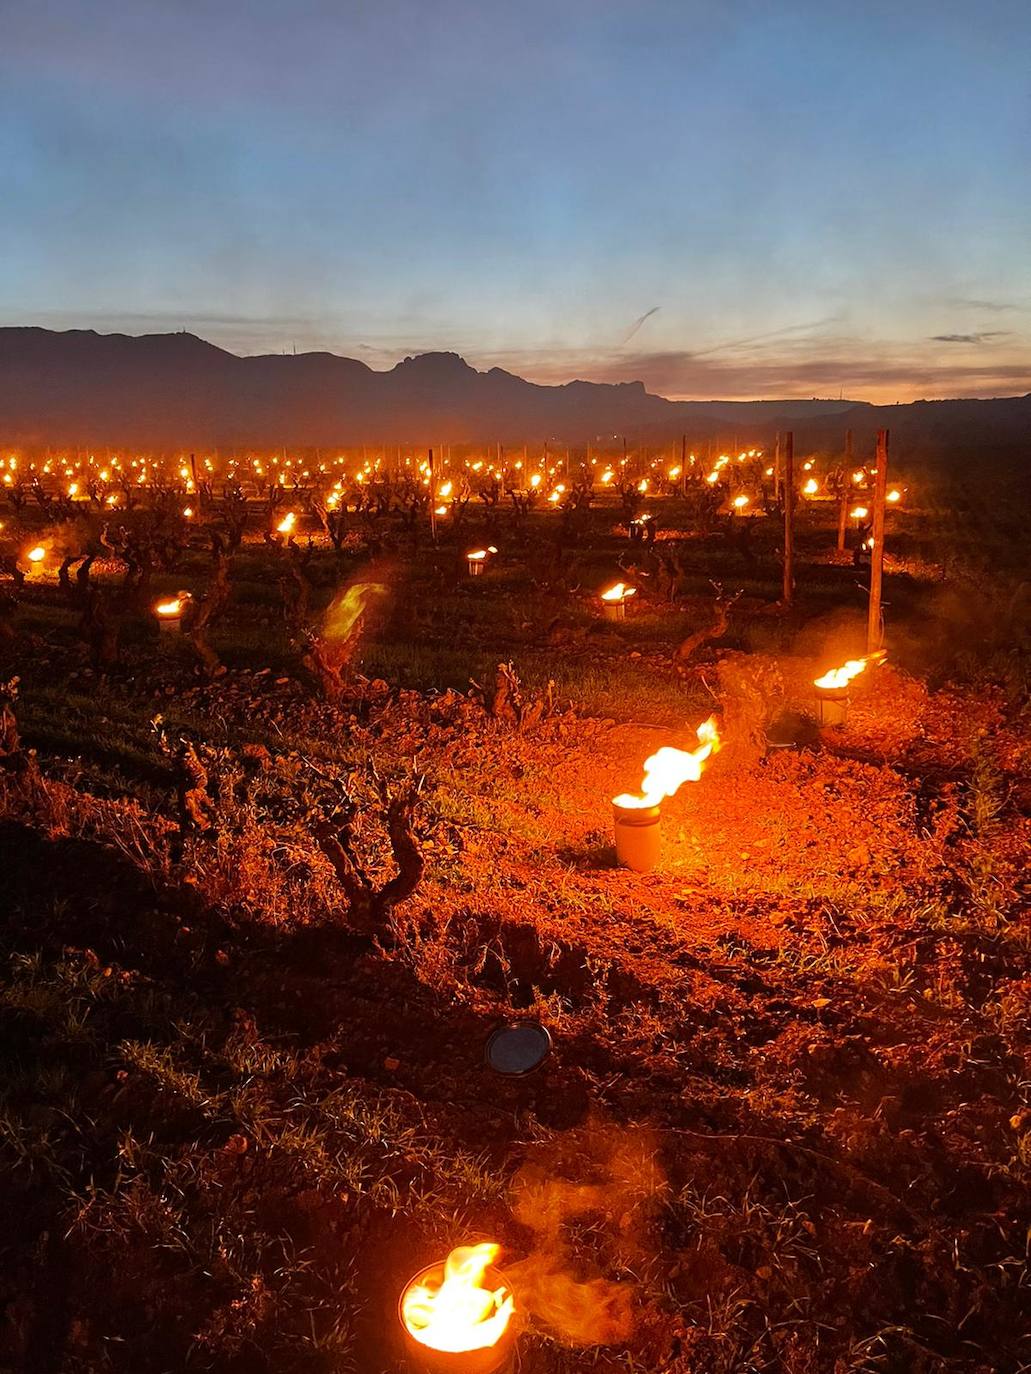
x,y
894,495
37,554
811,487
619,591
459,1313
188,512
287,523
740,502
835,679
858,513
668,768
477,556
169,607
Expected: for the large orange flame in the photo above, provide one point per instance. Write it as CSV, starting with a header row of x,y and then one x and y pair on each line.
x,y
169,608
836,679
619,591
37,554
668,768
287,523
458,1313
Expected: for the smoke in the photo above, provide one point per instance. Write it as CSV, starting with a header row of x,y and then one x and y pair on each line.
x,y
356,601
588,1199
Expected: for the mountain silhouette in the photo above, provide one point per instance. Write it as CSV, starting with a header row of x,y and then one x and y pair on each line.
x,y
176,391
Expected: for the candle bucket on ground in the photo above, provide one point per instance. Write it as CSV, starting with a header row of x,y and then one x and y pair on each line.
x,y
482,1316
638,836
831,706
476,560
613,601
170,614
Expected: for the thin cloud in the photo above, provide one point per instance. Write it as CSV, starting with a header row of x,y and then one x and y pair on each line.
x,y
975,303
637,324
970,338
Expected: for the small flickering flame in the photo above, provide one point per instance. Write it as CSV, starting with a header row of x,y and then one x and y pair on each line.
x,y
187,511
459,1313
835,679
740,502
478,555
894,495
169,608
665,770
287,523
618,592
811,487
858,513
37,554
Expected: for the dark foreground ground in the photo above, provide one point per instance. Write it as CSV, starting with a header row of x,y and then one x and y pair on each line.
x,y
785,1125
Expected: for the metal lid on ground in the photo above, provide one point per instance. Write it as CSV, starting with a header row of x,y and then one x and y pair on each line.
x,y
516,1048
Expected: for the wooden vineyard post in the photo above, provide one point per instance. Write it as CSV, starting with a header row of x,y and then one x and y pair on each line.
x,y
873,624
776,468
789,517
433,501
843,494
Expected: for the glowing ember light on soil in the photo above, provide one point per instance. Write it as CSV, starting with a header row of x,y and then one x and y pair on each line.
x,y
451,1308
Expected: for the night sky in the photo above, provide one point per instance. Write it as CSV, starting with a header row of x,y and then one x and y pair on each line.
x,y
809,197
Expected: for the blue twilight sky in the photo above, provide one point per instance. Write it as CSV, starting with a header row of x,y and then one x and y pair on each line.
x,y
809,196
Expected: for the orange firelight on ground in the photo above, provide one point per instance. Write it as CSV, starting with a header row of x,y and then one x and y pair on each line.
x,y
619,591
667,769
458,1313
836,679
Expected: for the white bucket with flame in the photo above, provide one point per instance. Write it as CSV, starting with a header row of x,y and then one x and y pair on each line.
x,y
638,836
458,1316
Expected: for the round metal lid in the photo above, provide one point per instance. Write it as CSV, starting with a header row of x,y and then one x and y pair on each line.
x,y
516,1048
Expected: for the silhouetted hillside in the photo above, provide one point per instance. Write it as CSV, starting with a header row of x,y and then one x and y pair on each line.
x,y
175,391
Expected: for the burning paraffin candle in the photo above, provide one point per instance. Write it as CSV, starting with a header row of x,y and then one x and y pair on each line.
x,y
613,601
477,560
637,816
456,1316
170,613
832,697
